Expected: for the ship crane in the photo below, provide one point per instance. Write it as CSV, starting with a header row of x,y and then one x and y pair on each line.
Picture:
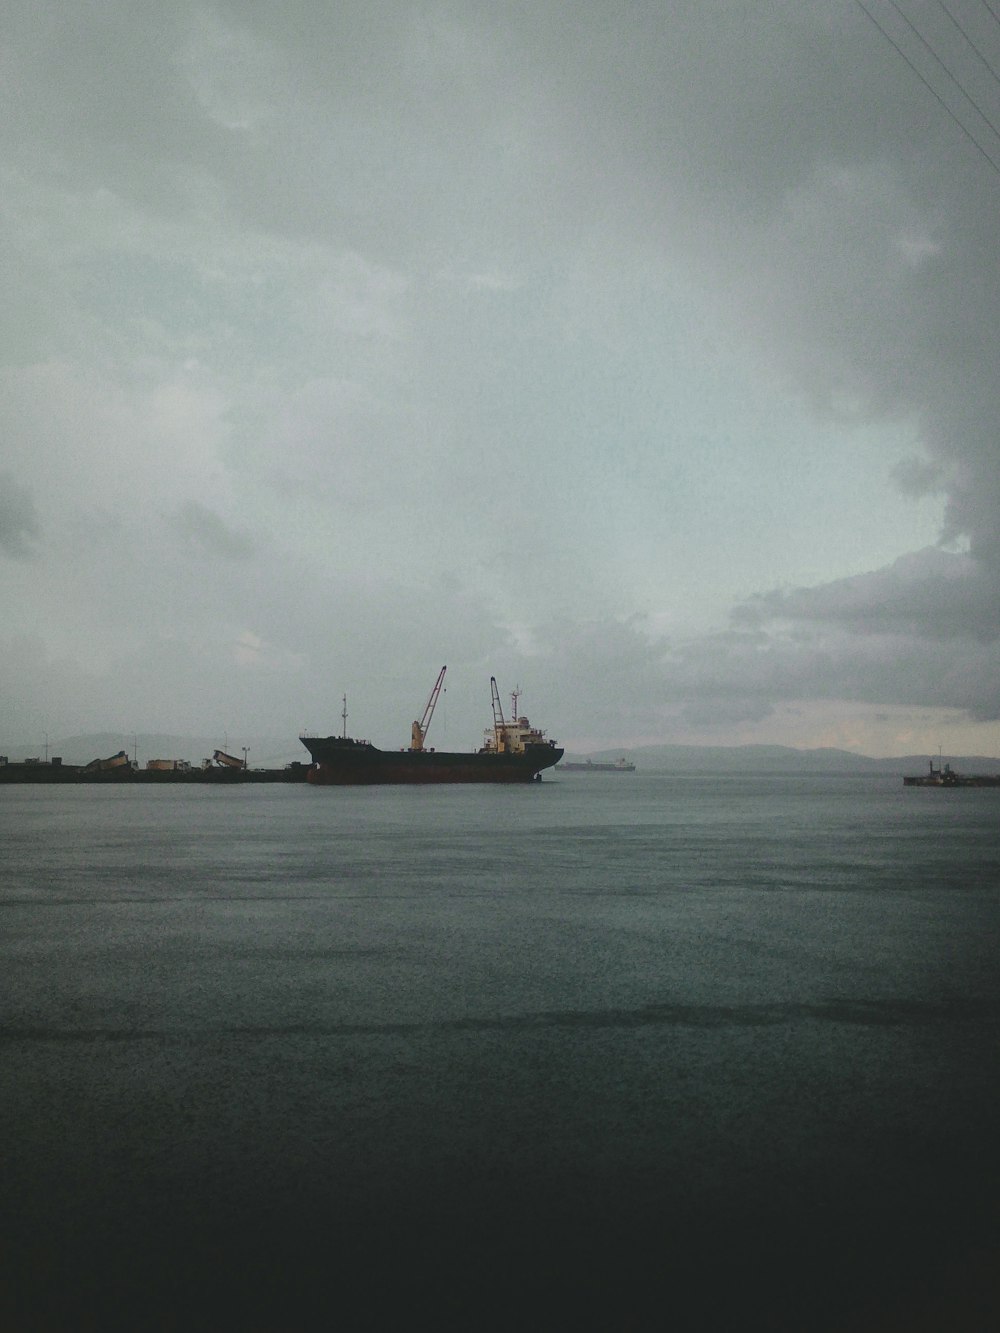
x,y
419,729
499,725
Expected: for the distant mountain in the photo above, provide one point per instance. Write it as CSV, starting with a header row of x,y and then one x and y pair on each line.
x,y
774,759
276,751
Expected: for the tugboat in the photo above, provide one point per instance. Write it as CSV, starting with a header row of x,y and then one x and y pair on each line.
x,y
945,776
513,751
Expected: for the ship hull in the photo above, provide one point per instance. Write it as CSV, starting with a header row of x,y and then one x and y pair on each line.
x,y
597,768
126,774
47,772
351,764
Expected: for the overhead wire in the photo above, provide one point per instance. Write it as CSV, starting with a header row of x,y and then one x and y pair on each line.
x,y
934,56
930,87
968,39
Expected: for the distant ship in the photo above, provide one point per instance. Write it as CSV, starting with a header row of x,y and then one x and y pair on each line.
x,y
621,765
945,776
513,751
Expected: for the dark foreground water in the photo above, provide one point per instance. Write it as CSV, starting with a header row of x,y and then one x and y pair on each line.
x,y
610,1052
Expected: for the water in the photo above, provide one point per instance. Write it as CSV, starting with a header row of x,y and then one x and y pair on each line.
x,y
610,1050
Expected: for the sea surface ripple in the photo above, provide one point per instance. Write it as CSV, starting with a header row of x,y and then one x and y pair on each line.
x,y
645,1051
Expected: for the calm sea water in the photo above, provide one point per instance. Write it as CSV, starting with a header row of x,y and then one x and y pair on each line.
x,y
609,1051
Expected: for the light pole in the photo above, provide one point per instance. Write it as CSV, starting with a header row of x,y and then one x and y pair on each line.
x,y
246,751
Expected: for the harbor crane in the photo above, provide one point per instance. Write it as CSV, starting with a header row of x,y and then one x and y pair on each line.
x,y
419,729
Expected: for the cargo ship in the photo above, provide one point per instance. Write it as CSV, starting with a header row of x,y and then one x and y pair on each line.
x,y
512,751
119,768
621,765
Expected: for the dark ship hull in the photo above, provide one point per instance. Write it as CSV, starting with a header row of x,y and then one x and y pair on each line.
x,y
620,766
104,771
953,779
513,751
38,772
340,761
945,776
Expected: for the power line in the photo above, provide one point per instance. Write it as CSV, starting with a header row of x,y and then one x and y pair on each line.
x,y
930,87
987,5
969,40
934,56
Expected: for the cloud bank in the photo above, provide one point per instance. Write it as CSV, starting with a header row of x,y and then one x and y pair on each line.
x,y
645,358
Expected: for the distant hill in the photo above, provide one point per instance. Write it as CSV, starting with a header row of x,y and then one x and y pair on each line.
x,y
276,751
775,759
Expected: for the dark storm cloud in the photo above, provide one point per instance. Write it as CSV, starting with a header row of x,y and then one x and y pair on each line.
x,y
741,676
824,193
825,664
852,231
932,594
862,640
785,149
780,155
19,525
811,180
917,477
926,630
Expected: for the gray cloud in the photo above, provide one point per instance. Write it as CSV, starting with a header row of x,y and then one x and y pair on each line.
x,y
207,532
929,595
925,630
918,477
19,525
824,664
409,316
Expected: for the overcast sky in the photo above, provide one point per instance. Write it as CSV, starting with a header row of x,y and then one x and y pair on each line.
x,y
643,355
